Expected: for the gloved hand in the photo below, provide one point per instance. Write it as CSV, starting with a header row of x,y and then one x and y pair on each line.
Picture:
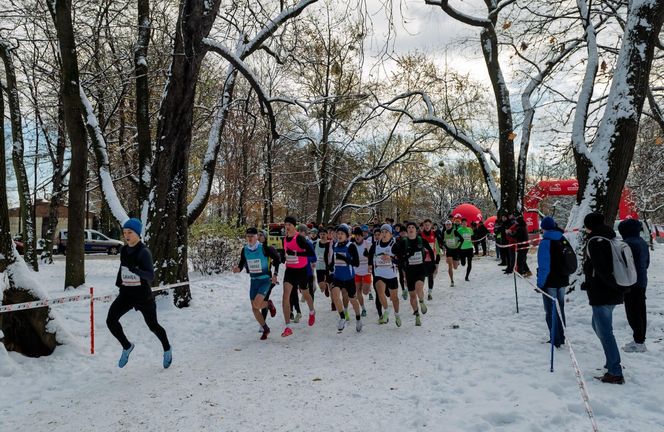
x,y
133,269
366,252
341,257
290,252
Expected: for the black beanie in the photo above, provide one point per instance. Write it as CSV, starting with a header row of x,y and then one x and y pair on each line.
x,y
252,231
593,220
291,220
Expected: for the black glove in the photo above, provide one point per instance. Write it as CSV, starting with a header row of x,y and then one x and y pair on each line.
x,y
341,257
290,252
366,252
438,259
133,269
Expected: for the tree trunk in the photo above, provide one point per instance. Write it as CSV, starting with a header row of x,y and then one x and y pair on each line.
x,y
508,186
27,215
614,147
143,101
167,229
57,180
24,331
75,263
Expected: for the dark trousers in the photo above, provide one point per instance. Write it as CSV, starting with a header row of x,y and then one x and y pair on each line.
x,y
549,309
295,301
477,245
635,309
521,261
147,307
267,297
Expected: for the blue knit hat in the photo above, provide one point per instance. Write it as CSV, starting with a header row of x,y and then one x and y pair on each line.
x,y
548,223
133,224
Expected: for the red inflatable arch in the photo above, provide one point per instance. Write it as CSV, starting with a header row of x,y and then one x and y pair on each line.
x,y
546,188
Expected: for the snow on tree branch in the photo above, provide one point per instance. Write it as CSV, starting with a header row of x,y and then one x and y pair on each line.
x,y
101,152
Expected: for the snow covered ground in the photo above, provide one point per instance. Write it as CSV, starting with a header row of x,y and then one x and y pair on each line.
x,y
474,365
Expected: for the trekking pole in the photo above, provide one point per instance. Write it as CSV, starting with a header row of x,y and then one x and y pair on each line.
x,y
553,328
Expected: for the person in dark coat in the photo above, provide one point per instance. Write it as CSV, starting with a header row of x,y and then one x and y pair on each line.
x,y
549,277
603,296
481,233
635,299
521,237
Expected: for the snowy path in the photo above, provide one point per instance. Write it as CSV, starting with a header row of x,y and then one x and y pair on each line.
x,y
490,373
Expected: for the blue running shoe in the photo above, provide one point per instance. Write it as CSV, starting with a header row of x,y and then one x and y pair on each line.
x,y
168,358
124,358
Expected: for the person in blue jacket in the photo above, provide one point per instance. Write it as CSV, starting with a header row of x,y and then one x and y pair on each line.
x,y
635,299
549,277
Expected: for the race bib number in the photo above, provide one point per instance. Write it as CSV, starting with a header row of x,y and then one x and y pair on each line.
x,y
384,261
340,262
320,259
254,266
467,236
415,259
450,243
291,259
129,278
364,260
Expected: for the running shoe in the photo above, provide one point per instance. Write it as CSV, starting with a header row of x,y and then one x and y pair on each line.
x,y
358,325
397,320
404,294
423,307
168,358
287,332
312,318
266,332
429,296
124,358
452,283
347,315
364,312
297,318
370,296
418,321
341,324
384,318
271,308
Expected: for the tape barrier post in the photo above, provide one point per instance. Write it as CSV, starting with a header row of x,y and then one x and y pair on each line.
x,y
553,330
516,293
92,320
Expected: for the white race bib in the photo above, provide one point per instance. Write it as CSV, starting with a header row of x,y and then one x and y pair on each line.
x,y
254,266
384,261
291,259
129,278
415,259
451,242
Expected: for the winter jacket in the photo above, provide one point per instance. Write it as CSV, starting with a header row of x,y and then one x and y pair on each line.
x,y
136,260
548,264
597,267
629,230
481,232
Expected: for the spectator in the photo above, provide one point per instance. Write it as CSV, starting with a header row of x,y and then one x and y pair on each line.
x,y
635,299
603,296
481,233
550,278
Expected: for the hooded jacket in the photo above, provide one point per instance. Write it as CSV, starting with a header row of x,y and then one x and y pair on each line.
x,y
597,266
548,264
629,229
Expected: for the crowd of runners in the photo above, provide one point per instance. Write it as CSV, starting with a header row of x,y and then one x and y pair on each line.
x,y
348,264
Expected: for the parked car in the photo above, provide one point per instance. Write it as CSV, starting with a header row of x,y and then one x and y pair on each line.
x,y
94,242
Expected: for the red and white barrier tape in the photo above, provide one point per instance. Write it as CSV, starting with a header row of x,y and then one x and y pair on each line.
x,y
575,364
60,300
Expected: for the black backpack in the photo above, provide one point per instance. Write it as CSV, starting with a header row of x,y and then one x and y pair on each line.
x,y
564,256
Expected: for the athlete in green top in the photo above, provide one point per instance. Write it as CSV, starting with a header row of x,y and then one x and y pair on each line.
x,y
466,250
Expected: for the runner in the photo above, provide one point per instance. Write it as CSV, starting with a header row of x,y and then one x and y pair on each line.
x,y
344,259
397,236
430,261
134,277
411,251
257,259
262,238
297,251
383,264
466,250
452,241
362,273
323,249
